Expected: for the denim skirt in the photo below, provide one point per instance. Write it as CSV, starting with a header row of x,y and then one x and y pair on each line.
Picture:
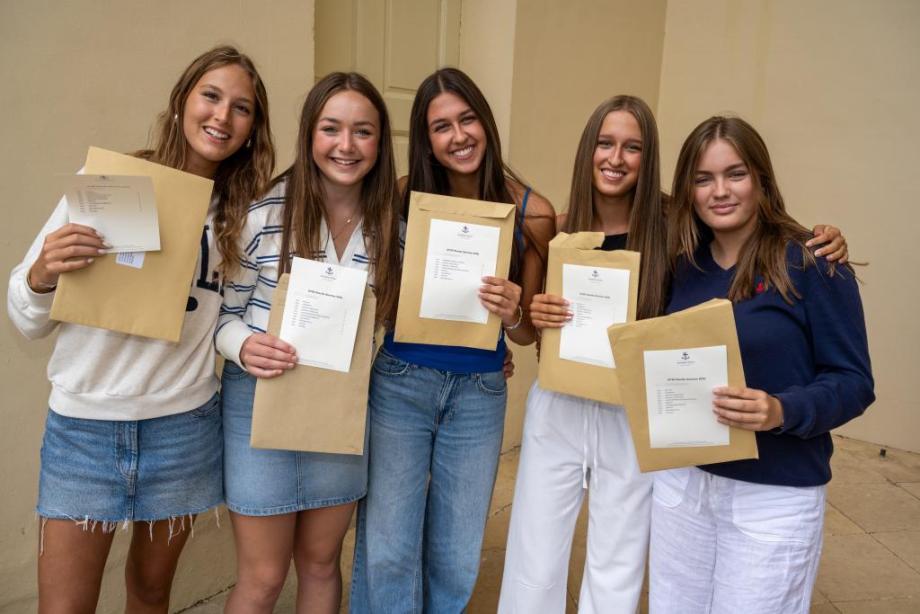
x,y
260,482
138,470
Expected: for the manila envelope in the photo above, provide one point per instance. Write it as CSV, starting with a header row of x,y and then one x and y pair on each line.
x,y
569,376
423,208
708,324
312,409
149,301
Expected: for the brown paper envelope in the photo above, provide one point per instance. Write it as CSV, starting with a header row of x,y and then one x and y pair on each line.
x,y
568,376
149,301
410,328
312,409
709,324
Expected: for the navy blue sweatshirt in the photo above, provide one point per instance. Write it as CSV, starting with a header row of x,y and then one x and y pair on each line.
x,y
812,355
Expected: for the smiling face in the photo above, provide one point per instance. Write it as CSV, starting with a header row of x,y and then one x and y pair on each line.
x,y
458,139
617,155
346,139
217,118
724,195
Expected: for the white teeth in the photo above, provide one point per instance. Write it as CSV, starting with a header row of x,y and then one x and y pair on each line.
x,y
612,174
342,162
217,134
462,153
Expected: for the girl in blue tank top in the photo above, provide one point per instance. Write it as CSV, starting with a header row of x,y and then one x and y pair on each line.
x,y
437,413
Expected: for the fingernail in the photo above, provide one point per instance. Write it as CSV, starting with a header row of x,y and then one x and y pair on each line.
x,y
100,251
107,245
88,260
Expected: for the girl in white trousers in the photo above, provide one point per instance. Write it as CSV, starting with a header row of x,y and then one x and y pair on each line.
x,y
572,444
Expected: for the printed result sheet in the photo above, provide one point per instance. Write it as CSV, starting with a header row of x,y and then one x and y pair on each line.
x,y
122,208
321,313
598,298
678,387
459,255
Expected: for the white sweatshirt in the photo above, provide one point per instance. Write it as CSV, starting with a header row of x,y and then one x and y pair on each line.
x,y
105,375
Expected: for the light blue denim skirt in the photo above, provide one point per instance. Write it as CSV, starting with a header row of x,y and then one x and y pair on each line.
x,y
260,482
138,470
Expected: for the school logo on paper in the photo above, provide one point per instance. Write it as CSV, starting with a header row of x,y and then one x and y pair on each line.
x,y
465,230
685,356
594,274
329,273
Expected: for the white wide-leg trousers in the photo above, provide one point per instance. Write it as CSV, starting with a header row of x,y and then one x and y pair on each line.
x,y
570,444
726,546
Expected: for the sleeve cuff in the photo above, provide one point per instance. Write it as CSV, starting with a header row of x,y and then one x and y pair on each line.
x,y
36,302
791,414
230,341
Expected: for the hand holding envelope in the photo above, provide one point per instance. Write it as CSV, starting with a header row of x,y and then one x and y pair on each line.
x,y
602,289
451,244
667,368
141,296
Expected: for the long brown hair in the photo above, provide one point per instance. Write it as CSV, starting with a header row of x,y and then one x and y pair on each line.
x,y
764,253
239,179
304,198
426,174
647,220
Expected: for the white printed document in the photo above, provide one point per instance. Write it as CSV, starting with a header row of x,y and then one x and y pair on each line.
x,y
678,387
598,298
459,255
321,313
121,208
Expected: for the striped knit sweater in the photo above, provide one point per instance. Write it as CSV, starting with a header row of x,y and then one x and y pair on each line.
x,y
248,296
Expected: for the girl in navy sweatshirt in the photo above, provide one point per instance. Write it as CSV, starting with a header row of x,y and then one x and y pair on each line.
x,y
745,536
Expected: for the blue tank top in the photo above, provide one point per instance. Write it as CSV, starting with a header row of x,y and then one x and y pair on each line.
x,y
455,359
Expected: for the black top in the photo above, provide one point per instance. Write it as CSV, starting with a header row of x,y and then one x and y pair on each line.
x,y
612,242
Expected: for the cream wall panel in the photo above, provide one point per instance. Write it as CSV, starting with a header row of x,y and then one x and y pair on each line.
x,y
335,23
487,31
832,87
88,73
568,57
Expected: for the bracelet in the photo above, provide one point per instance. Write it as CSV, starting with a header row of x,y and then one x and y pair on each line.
x,y
42,288
519,320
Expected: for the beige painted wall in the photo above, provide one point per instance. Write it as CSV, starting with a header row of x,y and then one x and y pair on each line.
x,y
832,87
487,33
568,58
87,73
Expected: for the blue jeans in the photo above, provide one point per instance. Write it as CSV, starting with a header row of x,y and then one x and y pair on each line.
x,y
435,437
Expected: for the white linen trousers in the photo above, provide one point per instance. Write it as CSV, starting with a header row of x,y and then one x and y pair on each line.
x,y
569,444
727,546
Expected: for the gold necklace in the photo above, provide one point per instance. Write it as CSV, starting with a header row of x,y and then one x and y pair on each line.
x,y
343,228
